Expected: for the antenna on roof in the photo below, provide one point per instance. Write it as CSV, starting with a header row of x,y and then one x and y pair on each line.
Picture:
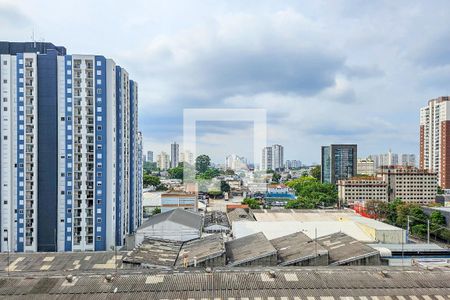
x,y
33,39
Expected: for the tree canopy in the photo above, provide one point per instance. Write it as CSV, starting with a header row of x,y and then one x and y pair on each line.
x,y
311,193
251,202
202,163
149,180
315,172
177,172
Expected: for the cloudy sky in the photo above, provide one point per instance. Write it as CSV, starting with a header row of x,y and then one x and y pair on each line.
x,y
326,71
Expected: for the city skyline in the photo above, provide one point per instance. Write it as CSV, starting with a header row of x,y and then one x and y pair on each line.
x,y
353,93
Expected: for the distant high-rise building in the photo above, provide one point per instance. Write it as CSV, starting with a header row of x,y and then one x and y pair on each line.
x,y
144,158
163,161
389,159
266,159
235,162
293,164
385,159
150,156
187,157
338,162
70,150
408,160
277,157
435,139
366,167
272,158
174,155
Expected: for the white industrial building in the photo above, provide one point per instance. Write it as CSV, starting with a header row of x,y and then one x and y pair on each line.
x,y
174,225
316,224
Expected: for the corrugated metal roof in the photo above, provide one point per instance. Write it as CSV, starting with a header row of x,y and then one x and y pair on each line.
x,y
179,216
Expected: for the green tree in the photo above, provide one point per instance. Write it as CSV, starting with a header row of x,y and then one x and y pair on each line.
x,y
377,208
156,210
440,191
302,203
315,172
209,173
224,187
392,211
229,172
415,213
149,180
276,177
252,203
161,187
437,222
311,191
177,172
202,163
214,194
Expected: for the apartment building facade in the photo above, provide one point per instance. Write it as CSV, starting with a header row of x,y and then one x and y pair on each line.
x,y
410,184
361,189
163,161
69,155
434,141
272,158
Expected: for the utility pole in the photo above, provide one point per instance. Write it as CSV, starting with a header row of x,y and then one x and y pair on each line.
x,y
407,229
428,231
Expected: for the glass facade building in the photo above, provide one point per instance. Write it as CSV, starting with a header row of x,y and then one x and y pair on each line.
x,y
338,162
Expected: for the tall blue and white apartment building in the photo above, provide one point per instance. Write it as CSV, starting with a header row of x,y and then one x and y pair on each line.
x,y
70,155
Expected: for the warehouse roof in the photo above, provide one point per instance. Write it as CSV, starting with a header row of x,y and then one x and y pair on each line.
x,y
57,261
217,218
343,249
179,216
248,248
155,253
202,249
296,247
250,283
239,214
